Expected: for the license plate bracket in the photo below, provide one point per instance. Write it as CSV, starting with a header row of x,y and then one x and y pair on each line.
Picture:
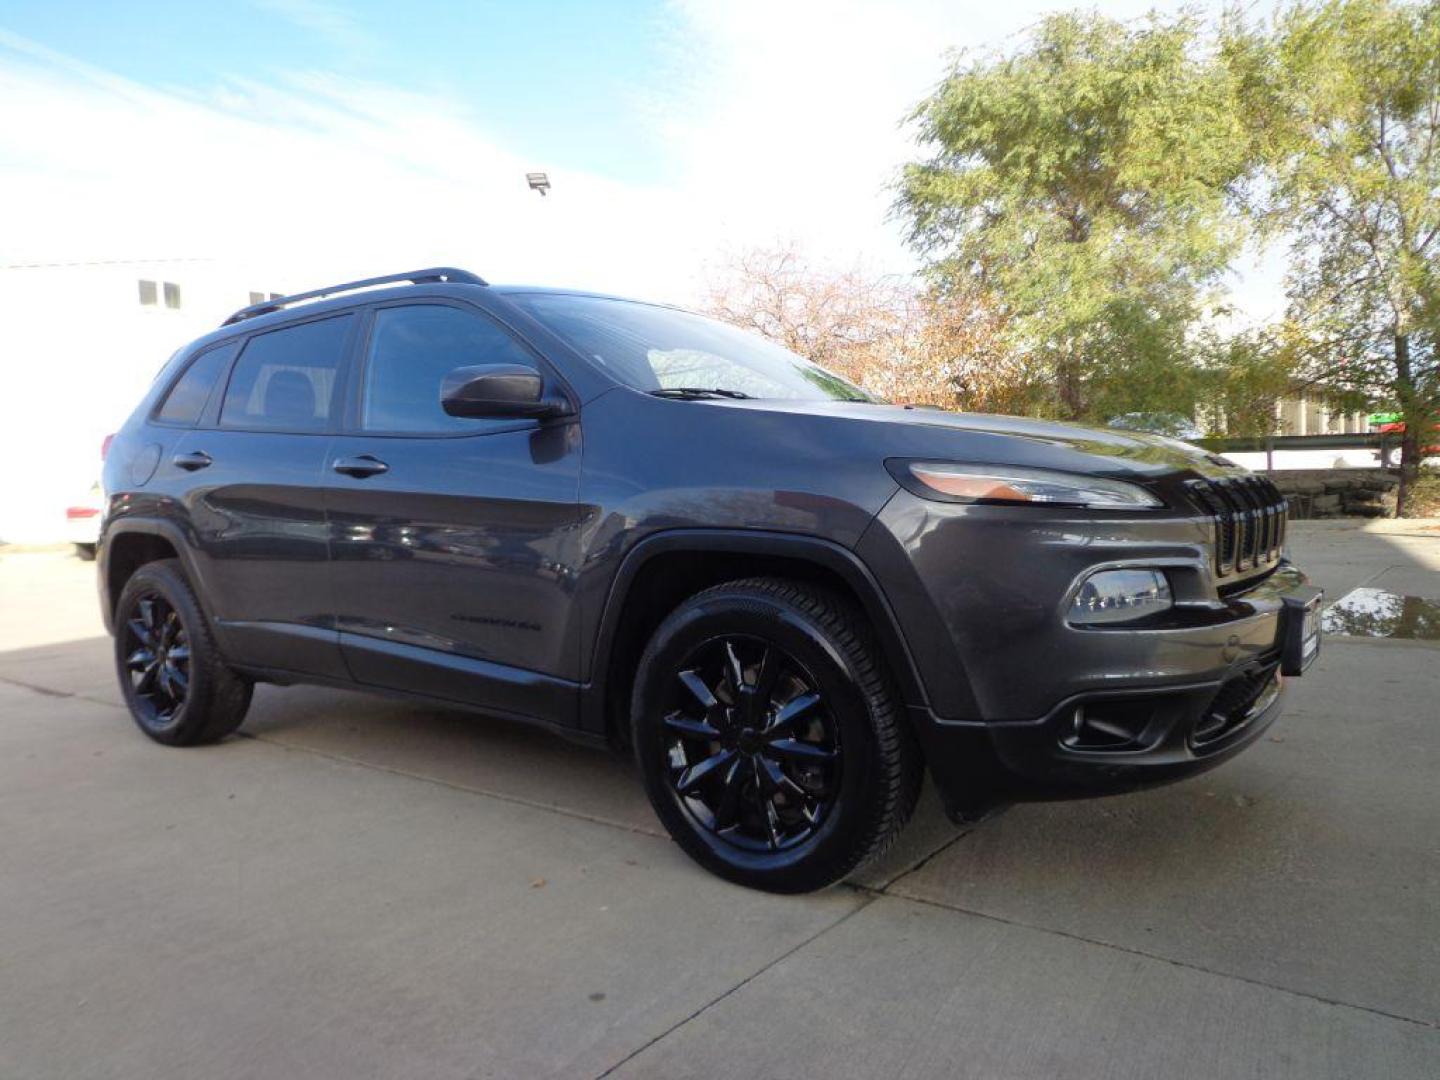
x,y
1299,630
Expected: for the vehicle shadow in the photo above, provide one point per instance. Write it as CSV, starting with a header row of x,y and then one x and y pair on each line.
x,y
460,749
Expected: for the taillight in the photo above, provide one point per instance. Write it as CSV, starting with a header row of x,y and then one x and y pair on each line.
x,y
80,513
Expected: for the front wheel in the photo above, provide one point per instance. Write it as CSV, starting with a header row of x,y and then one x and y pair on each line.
x,y
769,737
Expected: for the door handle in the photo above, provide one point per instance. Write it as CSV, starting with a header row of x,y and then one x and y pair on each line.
x,y
196,459
360,467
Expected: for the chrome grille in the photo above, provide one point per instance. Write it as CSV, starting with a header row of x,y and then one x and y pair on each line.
x,y
1250,515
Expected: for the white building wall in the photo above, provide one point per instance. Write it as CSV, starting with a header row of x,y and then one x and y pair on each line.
x,y
77,350
1305,416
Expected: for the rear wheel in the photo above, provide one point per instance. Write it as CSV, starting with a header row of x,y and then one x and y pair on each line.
x,y
769,737
178,688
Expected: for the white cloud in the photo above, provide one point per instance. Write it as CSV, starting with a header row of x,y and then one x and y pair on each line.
x,y
335,23
786,118
779,121
314,177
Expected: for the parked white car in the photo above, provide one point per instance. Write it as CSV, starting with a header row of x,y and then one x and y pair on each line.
x,y
82,518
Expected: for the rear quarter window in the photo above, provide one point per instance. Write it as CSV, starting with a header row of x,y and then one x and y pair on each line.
x,y
187,397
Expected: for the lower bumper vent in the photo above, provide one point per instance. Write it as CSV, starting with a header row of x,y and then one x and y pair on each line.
x,y
1111,725
1235,704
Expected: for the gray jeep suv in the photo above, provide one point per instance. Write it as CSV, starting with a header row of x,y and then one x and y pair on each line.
x,y
643,528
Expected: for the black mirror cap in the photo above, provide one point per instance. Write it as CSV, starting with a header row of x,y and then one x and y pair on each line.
x,y
499,391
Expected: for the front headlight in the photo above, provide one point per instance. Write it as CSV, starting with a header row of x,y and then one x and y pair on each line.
x,y
955,482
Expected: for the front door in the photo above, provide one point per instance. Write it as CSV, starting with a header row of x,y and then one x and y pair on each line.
x,y
453,540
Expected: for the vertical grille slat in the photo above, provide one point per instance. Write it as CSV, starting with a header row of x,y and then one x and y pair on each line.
x,y
1235,506
1255,521
1267,513
1250,515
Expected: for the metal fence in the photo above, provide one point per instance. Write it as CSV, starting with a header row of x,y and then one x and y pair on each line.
x,y
1388,444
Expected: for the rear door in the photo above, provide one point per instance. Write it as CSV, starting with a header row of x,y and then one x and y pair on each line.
x,y
255,497
453,539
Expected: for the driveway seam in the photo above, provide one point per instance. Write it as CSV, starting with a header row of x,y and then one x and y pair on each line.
x,y
49,692
921,862
1378,574
866,897
1429,1025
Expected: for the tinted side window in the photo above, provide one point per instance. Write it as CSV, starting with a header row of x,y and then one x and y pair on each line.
x,y
285,379
412,349
186,399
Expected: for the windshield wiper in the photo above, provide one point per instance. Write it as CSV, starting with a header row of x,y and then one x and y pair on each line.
x,y
699,392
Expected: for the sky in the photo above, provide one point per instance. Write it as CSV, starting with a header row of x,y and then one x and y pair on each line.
x,y
329,139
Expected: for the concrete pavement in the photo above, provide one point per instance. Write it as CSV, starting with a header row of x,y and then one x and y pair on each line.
x,y
363,888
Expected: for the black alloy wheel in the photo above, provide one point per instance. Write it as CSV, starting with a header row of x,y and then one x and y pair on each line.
x,y
771,741
179,689
751,751
157,658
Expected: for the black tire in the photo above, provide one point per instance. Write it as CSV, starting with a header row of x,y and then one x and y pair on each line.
x,y
85,552
177,686
790,794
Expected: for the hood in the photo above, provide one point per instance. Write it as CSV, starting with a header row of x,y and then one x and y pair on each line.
x,y
1013,440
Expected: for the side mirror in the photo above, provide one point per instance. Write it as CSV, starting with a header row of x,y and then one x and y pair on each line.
x,y
499,391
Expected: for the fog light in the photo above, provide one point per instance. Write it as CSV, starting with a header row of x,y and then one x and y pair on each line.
x,y
1115,596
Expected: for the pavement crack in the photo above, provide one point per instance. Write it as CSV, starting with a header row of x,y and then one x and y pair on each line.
x,y
867,897
1429,1025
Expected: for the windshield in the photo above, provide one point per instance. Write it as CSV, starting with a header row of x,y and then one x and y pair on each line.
x,y
661,349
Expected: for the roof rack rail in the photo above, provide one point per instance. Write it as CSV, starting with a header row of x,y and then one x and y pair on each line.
x,y
414,277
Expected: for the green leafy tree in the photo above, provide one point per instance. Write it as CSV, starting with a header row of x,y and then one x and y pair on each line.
x,y
1082,183
1243,375
1343,100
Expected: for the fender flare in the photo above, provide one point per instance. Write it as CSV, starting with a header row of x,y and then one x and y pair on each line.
x,y
826,554
168,531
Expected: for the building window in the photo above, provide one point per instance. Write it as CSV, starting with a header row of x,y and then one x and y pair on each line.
x,y
172,295
148,293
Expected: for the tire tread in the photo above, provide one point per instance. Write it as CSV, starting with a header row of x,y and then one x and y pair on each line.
x,y
897,758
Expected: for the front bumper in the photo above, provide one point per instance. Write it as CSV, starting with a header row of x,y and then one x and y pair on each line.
x,y
1021,705
1178,732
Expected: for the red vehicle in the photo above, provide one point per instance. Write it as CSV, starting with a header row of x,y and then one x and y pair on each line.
x,y
1390,454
